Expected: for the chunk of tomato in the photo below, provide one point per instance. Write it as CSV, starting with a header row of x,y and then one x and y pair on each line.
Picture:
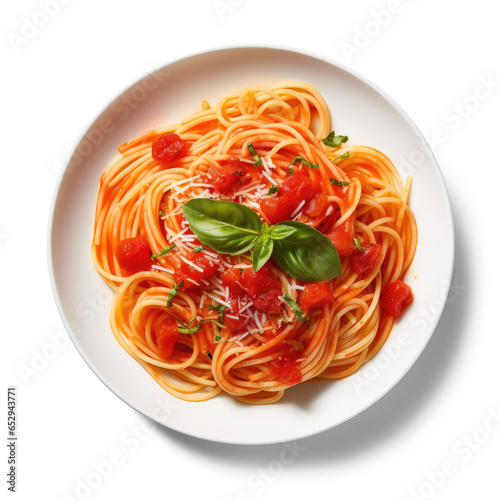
x,y
134,254
276,209
240,168
235,322
315,206
315,295
221,179
395,297
260,282
166,337
343,237
269,302
286,370
298,187
204,267
231,278
367,259
168,147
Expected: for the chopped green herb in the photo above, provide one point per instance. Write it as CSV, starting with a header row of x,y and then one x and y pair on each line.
x,y
295,307
183,328
220,309
290,170
357,244
335,182
241,270
216,323
305,162
334,141
188,331
217,338
173,292
341,157
273,189
256,157
162,213
163,252
199,248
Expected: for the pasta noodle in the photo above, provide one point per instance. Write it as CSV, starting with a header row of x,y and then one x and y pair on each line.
x,y
239,348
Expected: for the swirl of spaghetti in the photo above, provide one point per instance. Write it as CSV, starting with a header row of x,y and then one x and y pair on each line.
x,y
202,323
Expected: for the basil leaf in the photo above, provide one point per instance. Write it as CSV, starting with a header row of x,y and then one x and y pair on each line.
x,y
162,213
262,252
295,307
163,252
173,292
357,244
217,338
273,189
307,254
305,162
335,182
334,141
224,226
280,232
256,157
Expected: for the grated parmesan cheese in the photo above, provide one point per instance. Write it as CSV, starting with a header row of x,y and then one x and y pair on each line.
x,y
159,268
270,163
296,211
194,266
220,301
271,180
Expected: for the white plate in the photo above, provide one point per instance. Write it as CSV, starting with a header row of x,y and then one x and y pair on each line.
x,y
359,110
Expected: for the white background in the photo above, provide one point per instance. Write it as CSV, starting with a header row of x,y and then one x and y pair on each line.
x,y
433,58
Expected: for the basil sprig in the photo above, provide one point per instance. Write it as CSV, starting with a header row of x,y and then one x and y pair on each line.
x,y
230,228
334,141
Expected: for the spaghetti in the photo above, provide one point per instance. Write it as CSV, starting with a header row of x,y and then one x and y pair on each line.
x,y
201,322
